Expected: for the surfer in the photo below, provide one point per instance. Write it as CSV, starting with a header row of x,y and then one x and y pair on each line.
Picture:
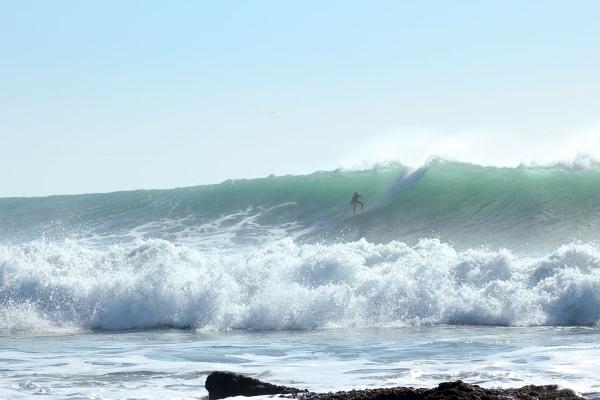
x,y
356,200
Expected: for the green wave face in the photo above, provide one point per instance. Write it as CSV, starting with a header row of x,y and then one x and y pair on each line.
x,y
519,208
523,208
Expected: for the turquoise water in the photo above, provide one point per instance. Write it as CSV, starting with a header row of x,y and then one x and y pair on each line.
x,y
526,209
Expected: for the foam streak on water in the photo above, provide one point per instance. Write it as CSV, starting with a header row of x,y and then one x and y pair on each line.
x,y
174,364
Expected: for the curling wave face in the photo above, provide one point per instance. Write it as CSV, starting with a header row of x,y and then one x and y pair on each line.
x,y
284,285
524,209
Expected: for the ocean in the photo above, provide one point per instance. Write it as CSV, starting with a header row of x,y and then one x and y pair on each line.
x,y
452,271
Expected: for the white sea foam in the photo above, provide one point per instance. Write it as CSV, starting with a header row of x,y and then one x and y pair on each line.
x,y
284,285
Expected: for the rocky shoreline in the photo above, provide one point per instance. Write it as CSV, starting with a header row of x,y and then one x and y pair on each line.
x,y
222,384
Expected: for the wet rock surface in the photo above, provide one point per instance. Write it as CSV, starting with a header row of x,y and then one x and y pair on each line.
x,y
225,384
222,384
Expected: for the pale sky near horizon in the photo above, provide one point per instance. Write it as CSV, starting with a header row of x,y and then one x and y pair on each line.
x,y
116,95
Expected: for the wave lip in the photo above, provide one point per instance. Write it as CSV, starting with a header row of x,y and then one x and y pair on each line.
x,y
284,285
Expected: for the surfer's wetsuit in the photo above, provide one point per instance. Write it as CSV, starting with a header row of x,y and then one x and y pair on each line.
x,y
355,200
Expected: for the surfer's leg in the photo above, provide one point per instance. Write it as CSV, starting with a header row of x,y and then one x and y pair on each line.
x,y
362,205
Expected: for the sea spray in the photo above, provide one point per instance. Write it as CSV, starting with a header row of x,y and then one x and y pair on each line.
x,y
285,285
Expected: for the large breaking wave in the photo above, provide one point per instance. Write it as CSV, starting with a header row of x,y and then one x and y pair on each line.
x,y
525,208
283,285
448,243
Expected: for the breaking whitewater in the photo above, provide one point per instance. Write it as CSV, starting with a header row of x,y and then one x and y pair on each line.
x,y
447,243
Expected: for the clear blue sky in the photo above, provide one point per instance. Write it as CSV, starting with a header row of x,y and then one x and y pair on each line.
x,y
111,95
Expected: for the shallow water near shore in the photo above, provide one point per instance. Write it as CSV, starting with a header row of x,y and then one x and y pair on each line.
x,y
173,364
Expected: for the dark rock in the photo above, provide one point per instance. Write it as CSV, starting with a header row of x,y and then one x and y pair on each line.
x,y
449,391
398,393
221,384
463,391
225,384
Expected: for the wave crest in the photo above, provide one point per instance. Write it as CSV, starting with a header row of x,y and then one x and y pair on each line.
x,y
524,209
